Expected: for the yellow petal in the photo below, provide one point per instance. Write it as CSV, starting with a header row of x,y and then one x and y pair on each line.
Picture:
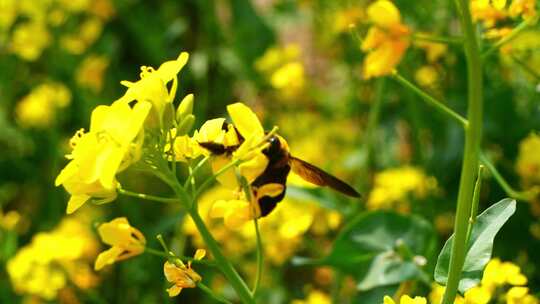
x,y
245,120
499,4
172,272
228,178
254,167
211,131
388,300
168,70
174,291
218,209
199,254
116,232
107,257
75,202
383,13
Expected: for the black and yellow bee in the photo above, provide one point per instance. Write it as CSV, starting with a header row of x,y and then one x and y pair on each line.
x,y
280,163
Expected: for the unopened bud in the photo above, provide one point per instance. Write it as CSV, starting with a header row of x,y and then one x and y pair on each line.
x,y
186,124
185,108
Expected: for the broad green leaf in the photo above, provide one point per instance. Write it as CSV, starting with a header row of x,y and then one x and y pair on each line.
x,y
383,248
480,245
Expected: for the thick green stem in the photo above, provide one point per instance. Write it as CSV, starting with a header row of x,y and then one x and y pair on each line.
x,y
473,138
224,265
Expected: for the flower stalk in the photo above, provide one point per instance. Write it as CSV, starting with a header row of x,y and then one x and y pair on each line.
x,y
473,138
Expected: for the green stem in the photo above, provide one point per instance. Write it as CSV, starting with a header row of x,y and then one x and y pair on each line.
x,y
520,195
373,121
475,202
214,296
518,29
260,258
441,107
195,170
473,138
438,39
224,265
149,197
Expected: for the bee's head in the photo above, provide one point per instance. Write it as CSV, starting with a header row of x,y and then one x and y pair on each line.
x,y
278,147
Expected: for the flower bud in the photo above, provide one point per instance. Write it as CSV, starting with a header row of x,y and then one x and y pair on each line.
x,y
186,124
185,108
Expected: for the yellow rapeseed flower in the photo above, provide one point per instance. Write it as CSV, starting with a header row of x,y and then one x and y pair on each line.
x,y
38,108
478,295
113,143
499,273
153,85
386,41
29,39
126,242
284,69
393,187
520,295
181,275
426,76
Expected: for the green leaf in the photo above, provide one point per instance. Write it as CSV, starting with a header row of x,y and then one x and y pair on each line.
x,y
480,245
383,248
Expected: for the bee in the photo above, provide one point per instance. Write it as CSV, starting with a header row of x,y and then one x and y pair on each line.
x,y
280,164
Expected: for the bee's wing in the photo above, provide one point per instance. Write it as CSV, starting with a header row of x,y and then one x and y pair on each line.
x,y
318,177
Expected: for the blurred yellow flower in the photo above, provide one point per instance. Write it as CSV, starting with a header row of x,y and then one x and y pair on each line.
x,y
392,188
113,143
437,293
426,76
524,8
182,276
8,14
347,17
53,258
520,295
498,273
489,14
386,41
406,300
87,34
126,242
284,69
38,108
528,160
90,72
29,39
477,295
433,50
315,297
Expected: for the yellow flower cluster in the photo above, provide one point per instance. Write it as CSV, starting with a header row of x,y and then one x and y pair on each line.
x,y
386,41
283,231
38,108
501,281
284,69
116,135
393,187
39,19
52,259
427,74
491,12
528,160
